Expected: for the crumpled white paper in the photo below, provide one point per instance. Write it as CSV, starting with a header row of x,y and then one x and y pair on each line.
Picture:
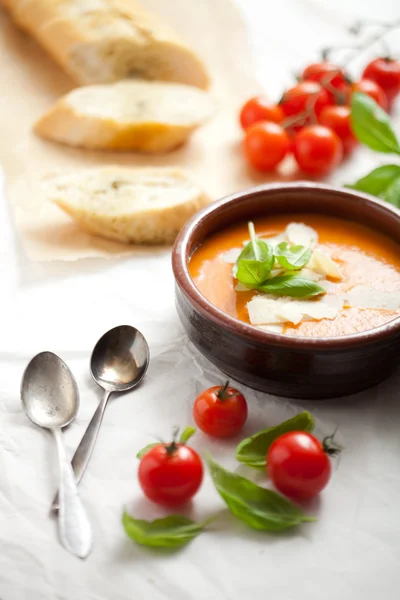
x,y
351,553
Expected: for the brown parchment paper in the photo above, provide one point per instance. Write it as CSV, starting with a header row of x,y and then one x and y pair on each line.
x,y
30,82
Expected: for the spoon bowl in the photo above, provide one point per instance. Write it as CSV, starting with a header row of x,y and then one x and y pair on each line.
x,y
120,359
49,392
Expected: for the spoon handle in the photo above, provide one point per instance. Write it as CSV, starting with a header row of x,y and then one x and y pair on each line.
x,y
74,527
84,451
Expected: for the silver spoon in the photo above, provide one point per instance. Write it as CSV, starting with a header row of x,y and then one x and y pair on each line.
x,y
119,362
50,398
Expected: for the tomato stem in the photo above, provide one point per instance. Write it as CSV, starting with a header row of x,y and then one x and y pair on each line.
x,y
355,51
222,393
330,446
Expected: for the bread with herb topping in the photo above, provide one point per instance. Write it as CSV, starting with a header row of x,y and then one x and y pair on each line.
x,y
143,116
99,41
132,205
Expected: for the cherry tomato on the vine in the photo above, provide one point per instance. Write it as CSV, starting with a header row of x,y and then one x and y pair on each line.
x,y
265,145
329,76
338,118
298,465
317,149
386,73
372,89
259,109
303,97
220,411
324,72
170,474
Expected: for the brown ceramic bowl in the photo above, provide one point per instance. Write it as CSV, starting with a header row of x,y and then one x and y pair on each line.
x,y
296,367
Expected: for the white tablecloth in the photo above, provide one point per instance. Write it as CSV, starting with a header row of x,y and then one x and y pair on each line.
x,y
352,552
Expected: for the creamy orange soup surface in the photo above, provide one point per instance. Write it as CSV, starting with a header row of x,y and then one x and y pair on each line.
x,y
364,257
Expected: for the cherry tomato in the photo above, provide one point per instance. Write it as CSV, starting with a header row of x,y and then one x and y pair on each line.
x,y
220,411
386,73
317,149
372,89
329,76
338,119
265,145
259,109
298,465
170,474
303,96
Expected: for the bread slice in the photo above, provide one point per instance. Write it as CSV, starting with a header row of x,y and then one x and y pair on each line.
x,y
133,205
143,116
100,41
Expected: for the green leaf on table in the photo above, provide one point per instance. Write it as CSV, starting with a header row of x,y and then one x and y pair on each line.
x,y
377,181
173,531
258,507
252,451
292,257
143,451
187,434
371,125
291,285
255,261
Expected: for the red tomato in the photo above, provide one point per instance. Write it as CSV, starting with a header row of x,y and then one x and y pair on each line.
x,y
220,411
170,474
298,465
372,89
303,96
338,119
329,76
259,109
317,149
386,73
265,145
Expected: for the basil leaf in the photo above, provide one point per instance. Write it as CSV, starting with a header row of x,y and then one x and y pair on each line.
x,y
252,451
392,194
258,507
252,269
291,285
173,531
378,181
371,125
292,257
143,451
187,434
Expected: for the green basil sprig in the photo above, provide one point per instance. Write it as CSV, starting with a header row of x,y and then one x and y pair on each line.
x,y
383,182
371,125
255,262
171,532
291,285
185,436
258,507
292,257
252,451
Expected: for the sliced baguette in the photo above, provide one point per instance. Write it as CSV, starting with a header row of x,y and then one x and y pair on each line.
x,y
133,205
142,116
99,41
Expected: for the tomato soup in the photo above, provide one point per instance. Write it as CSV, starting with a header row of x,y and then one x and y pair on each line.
x,y
366,259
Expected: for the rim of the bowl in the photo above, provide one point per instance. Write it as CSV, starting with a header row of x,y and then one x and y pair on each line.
x,y
185,282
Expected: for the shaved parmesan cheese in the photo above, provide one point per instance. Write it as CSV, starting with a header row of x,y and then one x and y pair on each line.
x,y
323,264
275,239
301,235
264,310
362,296
231,256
